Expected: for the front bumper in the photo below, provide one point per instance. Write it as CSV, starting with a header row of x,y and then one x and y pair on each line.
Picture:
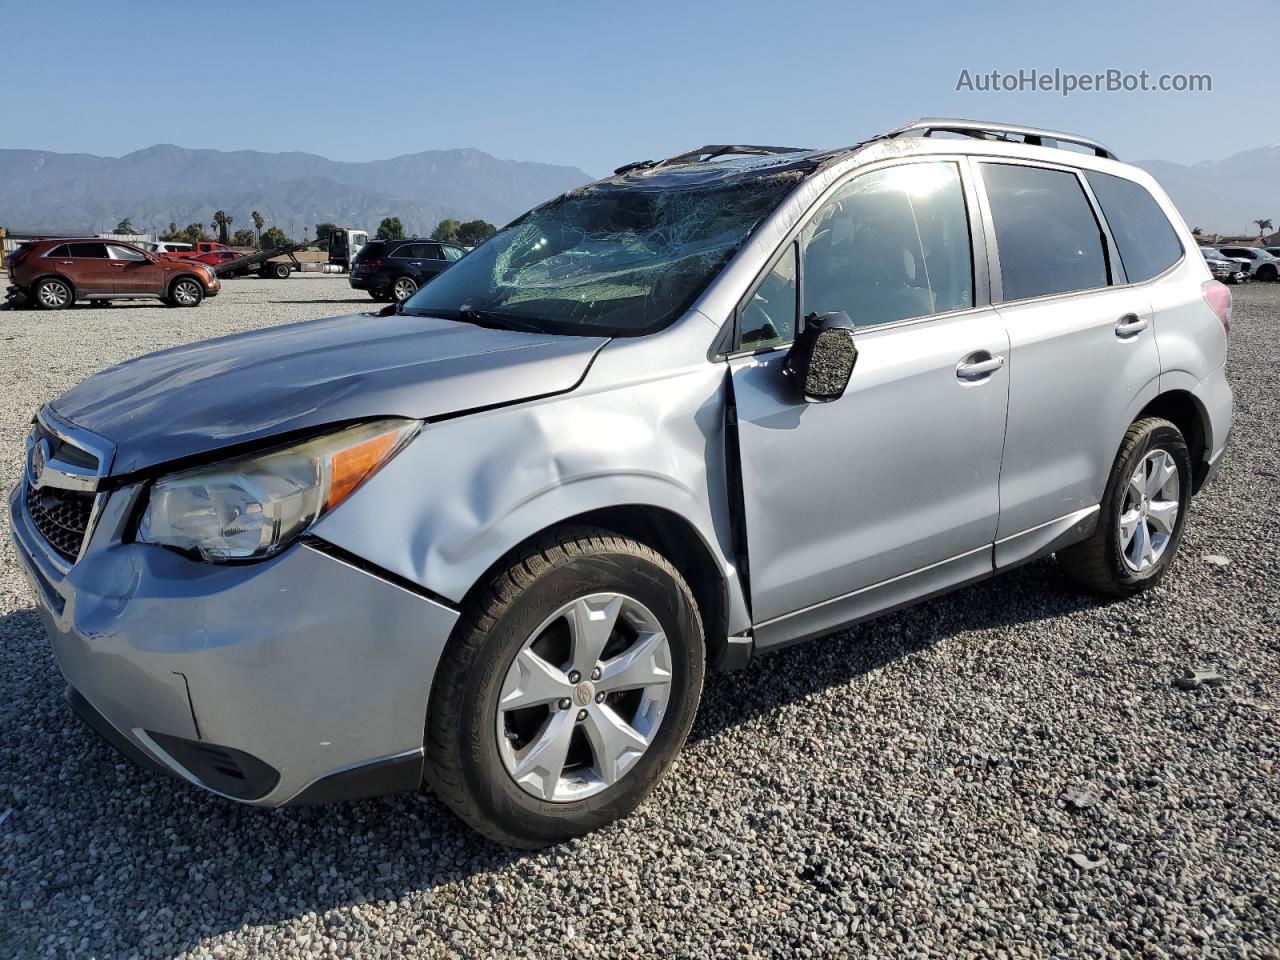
x,y
303,678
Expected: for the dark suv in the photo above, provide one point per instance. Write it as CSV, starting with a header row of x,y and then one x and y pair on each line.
x,y
395,269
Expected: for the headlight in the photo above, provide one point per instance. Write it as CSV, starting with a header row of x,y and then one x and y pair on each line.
x,y
254,506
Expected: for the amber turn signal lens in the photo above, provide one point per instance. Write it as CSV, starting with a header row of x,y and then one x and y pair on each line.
x,y
349,467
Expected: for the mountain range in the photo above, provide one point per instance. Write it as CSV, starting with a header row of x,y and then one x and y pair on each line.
x,y
1224,196
66,192
46,191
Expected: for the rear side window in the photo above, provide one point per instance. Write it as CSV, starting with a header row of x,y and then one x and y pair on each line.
x,y
431,251
408,251
97,251
1147,241
1048,238
374,248
59,251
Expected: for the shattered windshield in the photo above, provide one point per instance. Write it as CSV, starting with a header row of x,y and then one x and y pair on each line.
x,y
614,259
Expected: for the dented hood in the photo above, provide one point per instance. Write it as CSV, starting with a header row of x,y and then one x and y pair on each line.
x,y
198,398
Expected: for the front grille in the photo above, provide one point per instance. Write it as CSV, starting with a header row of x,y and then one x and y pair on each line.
x,y
61,516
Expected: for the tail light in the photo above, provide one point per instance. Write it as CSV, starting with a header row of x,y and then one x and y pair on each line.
x,y
372,264
1218,297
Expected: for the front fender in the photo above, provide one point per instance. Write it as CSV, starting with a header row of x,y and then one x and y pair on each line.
x,y
468,490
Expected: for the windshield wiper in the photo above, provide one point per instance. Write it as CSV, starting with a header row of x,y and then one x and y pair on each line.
x,y
494,320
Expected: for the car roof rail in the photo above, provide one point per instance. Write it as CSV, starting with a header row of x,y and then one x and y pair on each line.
x,y
708,153
986,130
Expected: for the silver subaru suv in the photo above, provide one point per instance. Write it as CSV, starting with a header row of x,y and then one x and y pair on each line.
x,y
489,540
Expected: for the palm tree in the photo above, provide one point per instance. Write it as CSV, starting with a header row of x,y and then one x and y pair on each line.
x,y
1263,227
220,223
258,221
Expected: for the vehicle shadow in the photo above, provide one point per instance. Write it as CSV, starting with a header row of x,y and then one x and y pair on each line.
x,y
366,301
166,865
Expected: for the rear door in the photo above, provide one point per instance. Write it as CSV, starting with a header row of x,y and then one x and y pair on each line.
x,y
132,272
89,268
433,261
889,492
1082,350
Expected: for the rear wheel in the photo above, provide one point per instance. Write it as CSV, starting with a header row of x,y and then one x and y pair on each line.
x,y
403,289
1142,514
280,271
567,690
185,292
53,293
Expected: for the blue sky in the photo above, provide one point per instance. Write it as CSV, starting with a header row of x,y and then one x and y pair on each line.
x,y
598,84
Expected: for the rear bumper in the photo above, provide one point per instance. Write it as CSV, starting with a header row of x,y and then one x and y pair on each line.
x,y
361,283
1214,395
301,679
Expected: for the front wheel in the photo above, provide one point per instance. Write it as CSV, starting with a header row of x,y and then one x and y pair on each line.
x,y
567,691
185,292
1142,513
1268,272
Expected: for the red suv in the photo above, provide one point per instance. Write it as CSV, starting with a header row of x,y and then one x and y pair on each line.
x,y
53,274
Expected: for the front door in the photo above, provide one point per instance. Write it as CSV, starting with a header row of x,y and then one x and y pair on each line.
x,y
132,272
890,492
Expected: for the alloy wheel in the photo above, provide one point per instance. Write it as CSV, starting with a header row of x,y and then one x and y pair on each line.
x,y
186,293
584,697
404,289
1149,512
54,294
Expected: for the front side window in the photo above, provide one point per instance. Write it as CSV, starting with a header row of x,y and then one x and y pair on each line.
x,y
453,253
1047,235
118,252
431,251
617,258
93,251
890,245
1146,240
769,318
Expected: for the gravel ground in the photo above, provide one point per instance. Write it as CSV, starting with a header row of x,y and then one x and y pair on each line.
x,y
1007,771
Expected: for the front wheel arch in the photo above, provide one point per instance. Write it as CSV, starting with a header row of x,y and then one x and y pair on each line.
x,y
668,533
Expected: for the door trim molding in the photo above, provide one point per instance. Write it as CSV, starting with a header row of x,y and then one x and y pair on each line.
x,y
874,600
1046,537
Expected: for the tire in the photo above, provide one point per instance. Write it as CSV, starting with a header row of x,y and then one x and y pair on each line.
x,y
468,767
403,289
53,293
1105,562
280,271
185,292
1267,272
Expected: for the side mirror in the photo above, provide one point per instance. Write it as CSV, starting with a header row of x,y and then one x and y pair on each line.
x,y
822,357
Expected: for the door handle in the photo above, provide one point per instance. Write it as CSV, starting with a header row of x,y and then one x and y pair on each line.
x,y
1130,325
972,368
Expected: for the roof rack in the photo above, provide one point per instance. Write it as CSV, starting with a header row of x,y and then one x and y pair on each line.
x,y
707,153
982,130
